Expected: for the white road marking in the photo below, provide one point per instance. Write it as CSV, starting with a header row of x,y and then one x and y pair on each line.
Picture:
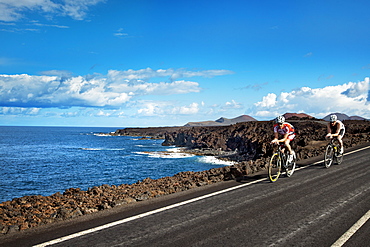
x,y
344,238
95,229
354,151
102,227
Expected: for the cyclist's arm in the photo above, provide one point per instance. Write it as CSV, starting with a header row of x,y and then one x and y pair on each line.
x,y
283,139
276,138
329,129
330,135
276,135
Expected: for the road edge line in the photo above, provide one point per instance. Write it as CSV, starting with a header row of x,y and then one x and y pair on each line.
x,y
105,226
351,231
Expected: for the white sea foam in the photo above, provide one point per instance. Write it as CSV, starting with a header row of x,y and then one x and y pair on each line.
x,y
175,150
103,134
105,149
166,154
92,149
215,161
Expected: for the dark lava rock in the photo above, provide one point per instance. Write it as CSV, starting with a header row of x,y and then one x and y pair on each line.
x,y
246,143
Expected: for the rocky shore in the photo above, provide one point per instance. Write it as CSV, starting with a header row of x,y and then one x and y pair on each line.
x,y
245,143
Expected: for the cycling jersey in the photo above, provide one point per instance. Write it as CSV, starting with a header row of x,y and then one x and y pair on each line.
x,y
287,128
337,126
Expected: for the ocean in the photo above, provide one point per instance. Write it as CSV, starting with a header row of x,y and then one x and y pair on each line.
x,y
46,160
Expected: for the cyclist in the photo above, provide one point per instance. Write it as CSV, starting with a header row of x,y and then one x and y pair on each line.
x,y
287,130
337,127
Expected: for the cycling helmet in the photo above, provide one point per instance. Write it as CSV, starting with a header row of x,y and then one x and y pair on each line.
x,y
333,118
280,119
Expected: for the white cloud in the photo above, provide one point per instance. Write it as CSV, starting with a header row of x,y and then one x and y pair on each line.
x,y
162,108
140,87
193,108
232,105
115,95
62,90
53,91
152,108
61,73
120,33
350,98
358,90
173,74
103,114
18,111
267,101
14,10
36,23
256,87
77,8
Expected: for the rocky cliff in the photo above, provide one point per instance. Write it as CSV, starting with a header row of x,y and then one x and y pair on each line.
x,y
247,143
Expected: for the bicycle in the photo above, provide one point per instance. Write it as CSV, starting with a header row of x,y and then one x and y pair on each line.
x,y
332,153
278,162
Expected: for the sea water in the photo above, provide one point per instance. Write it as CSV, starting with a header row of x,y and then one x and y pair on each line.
x,y
46,160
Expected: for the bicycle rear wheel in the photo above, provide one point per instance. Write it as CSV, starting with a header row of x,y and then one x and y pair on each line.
x,y
329,155
290,167
274,168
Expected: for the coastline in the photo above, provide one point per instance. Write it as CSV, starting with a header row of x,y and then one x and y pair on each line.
x,y
251,153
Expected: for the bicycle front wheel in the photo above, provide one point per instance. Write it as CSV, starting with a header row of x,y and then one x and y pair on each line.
x,y
338,156
274,168
329,155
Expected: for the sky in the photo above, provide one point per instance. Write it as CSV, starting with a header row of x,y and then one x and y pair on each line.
x,y
141,63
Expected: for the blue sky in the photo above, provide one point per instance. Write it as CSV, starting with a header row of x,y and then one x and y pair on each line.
x,y
163,63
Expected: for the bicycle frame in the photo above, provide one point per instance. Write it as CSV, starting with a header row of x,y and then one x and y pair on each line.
x,y
332,153
279,161
281,152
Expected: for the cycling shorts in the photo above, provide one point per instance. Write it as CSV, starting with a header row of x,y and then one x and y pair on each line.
x,y
341,132
291,137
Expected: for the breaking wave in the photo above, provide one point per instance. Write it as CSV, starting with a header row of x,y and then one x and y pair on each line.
x,y
215,161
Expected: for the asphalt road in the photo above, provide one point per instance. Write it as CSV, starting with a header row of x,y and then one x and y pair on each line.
x,y
314,207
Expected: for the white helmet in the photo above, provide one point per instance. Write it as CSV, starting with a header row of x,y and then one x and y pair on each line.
x,y
280,119
333,118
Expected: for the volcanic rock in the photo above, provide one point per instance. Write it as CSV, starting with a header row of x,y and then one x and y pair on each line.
x,y
246,143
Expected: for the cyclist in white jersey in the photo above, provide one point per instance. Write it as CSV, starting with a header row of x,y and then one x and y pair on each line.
x,y
336,129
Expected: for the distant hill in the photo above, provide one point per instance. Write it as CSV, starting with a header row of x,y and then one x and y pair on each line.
x,y
223,121
342,117
242,118
297,116
289,116
356,118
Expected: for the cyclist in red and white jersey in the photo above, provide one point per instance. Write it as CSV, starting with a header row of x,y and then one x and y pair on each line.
x,y
337,127
287,131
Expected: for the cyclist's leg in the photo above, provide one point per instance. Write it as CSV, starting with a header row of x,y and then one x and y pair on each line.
x,y
290,153
287,144
289,147
340,140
